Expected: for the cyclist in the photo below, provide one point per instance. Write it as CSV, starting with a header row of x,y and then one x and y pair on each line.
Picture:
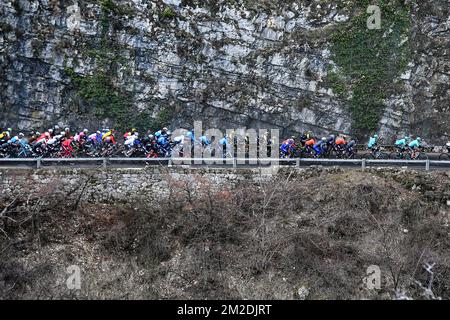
x,y
331,139
33,137
320,146
402,143
109,135
163,132
5,135
350,147
66,147
205,141
25,149
40,142
285,148
223,143
127,134
66,133
340,145
132,140
373,142
415,144
309,144
307,135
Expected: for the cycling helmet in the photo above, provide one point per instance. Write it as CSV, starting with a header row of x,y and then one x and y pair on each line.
x,y
324,139
50,131
85,130
66,129
56,127
82,134
375,136
150,136
164,129
136,134
157,134
419,139
169,133
133,130
47,134
21,135
9,129
37,133
98,132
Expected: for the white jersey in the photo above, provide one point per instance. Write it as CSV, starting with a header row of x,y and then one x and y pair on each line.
x,y
178,139
130,140
77,138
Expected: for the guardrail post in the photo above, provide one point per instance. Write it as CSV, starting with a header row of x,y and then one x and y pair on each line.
x,y
363,164
427,165
297,162
104,163
38,163
170,163
234,162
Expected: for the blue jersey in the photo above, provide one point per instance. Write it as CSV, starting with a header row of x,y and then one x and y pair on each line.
x,y
223,141
204,140
372,142
285,148
23,142
414,144
401,142
162,140
14,139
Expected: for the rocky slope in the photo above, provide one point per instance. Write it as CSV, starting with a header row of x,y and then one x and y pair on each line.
x,y
231,63
300,234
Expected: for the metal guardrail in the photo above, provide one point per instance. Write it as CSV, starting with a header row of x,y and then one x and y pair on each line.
x,y
235,162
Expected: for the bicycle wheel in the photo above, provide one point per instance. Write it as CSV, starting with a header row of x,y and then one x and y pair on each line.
x,y
422,156
368,156
396,156
383,156
127,153
444,156
351,155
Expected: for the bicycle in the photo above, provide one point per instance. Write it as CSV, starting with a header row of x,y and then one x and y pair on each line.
x,y
376,153
416,154
444,156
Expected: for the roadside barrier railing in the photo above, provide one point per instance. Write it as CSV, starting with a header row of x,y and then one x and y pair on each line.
x,y
232,162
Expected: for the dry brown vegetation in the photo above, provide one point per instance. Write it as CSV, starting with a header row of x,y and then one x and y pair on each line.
x,y
254,241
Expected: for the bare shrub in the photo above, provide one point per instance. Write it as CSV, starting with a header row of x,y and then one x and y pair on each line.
x,y
317,232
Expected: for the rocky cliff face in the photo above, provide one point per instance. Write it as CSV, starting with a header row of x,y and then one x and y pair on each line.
x,y
230,63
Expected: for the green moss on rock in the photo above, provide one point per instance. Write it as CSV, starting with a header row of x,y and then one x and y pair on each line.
x,y
369,60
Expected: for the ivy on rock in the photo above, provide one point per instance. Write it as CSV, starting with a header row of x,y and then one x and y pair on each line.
x,y
368,61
